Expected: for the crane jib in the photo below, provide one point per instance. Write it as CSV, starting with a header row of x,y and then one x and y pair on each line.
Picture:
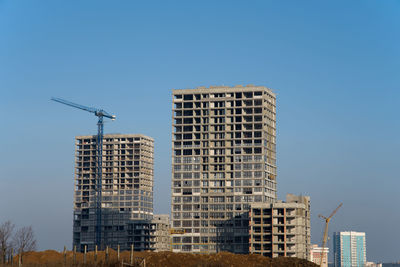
x,y
99,153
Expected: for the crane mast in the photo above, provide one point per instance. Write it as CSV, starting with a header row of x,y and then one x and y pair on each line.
x,y
325,237
99,182
99,160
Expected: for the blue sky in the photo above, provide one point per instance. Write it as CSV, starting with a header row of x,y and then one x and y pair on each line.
x,y
333,64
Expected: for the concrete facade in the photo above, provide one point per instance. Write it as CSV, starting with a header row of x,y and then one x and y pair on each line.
x,y
162,237
223,160
127,188
281,229
140,234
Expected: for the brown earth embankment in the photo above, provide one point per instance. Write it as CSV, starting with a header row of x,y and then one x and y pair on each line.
x,y
51,258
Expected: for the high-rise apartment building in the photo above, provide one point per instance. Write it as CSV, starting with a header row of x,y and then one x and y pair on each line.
x,y
223,161
281,229
127,188
349,249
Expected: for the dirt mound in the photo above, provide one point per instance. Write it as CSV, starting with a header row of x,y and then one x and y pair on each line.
x,y
51,258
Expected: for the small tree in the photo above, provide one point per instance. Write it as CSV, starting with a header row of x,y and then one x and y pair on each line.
x,y
24,240
6,231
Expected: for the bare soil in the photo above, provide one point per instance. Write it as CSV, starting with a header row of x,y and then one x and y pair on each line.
x,y
52,258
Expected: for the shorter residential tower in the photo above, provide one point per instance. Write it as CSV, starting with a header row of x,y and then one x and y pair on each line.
x,y
281,229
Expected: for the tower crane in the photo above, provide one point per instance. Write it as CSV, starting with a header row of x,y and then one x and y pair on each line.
x,y
327,220
101,114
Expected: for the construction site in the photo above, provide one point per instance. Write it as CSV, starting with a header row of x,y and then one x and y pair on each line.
x,y
199,133
224,196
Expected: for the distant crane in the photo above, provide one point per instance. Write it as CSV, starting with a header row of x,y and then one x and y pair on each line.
x,y
100,127
327,220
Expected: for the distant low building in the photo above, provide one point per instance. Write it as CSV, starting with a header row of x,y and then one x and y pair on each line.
x,y
391,264
281,228
372,264
316,253
162,237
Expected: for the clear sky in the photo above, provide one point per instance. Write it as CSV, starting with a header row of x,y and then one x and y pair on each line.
x,y
333,64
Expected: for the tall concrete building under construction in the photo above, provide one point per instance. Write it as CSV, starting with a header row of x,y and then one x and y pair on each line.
x,y
127,190
223,160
